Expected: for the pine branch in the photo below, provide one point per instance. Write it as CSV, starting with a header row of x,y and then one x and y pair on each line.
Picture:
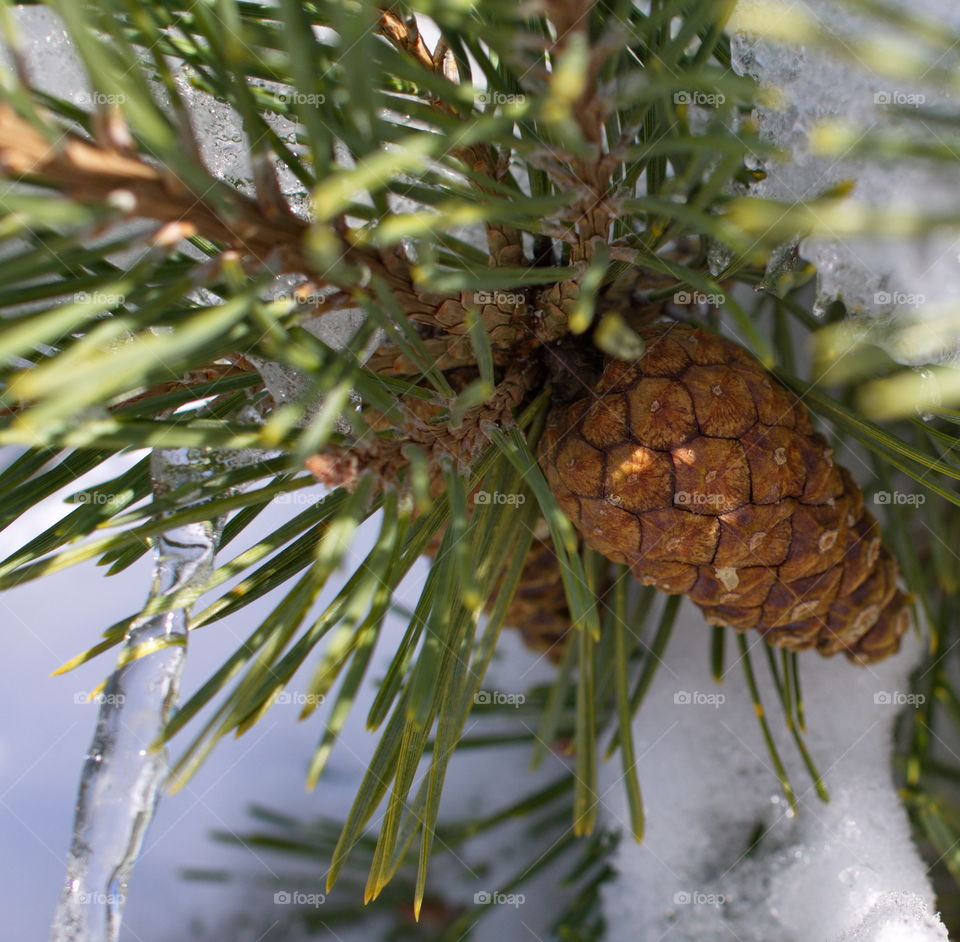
x,y
599,198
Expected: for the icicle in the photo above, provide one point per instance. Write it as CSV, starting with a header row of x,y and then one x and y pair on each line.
x,y
121,776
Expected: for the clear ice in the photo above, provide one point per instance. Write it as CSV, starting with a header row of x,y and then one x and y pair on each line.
x,y
122,772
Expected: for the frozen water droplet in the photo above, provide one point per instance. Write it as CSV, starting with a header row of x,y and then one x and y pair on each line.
x,y
718,257
849,876
851,830
930,394
782,259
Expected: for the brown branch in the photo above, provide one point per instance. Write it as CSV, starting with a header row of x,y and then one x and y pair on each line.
x,y
406,37
95,174
504,242
100,175
236,366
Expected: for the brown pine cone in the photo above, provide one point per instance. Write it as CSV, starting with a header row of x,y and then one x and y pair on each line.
x,y
697,469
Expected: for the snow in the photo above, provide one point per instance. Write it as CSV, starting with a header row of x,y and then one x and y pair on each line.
x,y
897,917
52,64
845,866
891,280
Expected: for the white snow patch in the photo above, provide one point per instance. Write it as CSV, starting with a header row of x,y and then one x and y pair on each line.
x,y
898,917
847,866
896,280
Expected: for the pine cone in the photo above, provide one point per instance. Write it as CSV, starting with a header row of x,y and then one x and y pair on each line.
x,y
697,469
